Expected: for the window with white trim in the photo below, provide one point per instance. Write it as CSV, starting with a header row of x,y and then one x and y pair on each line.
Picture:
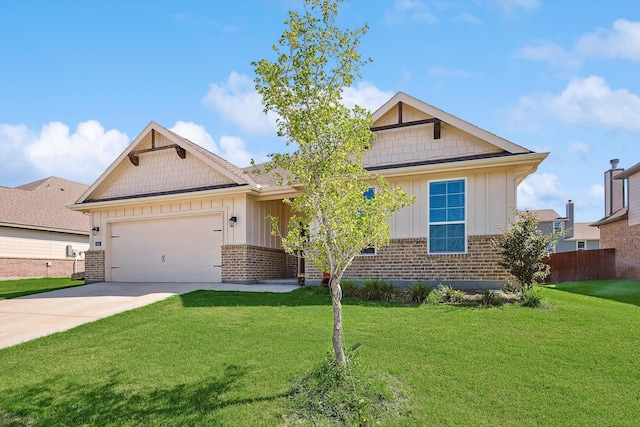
x,y
369,194
557,227
447,225
581,245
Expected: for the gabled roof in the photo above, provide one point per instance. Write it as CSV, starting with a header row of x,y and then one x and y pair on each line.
x,y
546,215
583,231
629,172
489,137
232,172
618,215
41,205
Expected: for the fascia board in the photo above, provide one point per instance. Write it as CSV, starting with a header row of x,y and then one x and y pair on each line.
x,y
532,159
86,207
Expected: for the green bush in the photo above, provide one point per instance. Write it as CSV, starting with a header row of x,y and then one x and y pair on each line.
x,y
435,297
349,288
531,298
490,299
377,290
419,292
450,295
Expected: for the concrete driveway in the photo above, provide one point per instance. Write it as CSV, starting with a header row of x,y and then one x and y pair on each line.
x,y
34,316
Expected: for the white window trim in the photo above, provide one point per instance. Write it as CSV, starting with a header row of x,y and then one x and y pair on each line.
x,y
578,245
465,221
375,249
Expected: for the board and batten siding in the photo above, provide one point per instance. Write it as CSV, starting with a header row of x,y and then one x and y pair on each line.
x,y
489,196
39,244
259,226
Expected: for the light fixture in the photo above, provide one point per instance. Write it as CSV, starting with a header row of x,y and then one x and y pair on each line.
x,y
95,230
233,220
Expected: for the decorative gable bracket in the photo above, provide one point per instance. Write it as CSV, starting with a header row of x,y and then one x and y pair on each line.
x,y
437,124
133,156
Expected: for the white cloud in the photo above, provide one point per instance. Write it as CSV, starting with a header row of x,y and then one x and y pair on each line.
x,y
539,191
230,148
365,95
584,101
550,53
579,149
592,100
80,156
596,192
196,133
622,41
510,6
468,18
413,10
239,102
235,152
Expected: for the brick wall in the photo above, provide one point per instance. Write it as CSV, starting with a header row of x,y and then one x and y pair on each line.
x,y
16,268
626,241
94,266
407,259
247,263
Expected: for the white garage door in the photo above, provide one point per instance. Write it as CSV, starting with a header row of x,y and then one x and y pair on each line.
x,y
186,249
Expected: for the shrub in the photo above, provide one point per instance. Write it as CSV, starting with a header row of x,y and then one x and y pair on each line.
x,y
450,295
349,288
377,290
435,297
419,292
490,299
531,298
524,248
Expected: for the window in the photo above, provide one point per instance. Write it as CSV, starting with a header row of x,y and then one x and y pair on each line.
x,y
369,194
557,226
581,245
447,216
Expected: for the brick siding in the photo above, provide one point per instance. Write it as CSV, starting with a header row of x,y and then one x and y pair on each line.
x,y
18,268
626,241
407,259
247,263
94,266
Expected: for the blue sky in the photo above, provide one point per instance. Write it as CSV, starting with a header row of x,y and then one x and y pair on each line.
x,y
79,80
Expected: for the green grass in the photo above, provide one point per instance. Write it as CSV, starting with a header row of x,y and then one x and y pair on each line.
x,y
627,291
230,358
18,288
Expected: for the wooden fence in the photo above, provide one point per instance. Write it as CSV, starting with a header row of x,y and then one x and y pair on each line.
x,y
582,265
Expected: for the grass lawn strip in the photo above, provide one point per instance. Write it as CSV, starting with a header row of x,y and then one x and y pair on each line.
x,y
230,358
19,288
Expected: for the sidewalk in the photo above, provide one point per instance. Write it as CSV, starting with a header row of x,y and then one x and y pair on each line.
x,y
34,316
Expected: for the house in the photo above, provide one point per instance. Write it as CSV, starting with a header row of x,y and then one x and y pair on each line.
x,y
39,236
575,236
168,210
620,227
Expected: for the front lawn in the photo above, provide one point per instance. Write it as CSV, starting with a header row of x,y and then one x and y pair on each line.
x,y
22,287
230,358
627,291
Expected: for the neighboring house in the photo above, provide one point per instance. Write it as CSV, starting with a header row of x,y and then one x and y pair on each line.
x,y
575,236
168,210
620,227
39,236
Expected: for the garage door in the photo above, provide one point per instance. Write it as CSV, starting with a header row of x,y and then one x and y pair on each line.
x,y
186,249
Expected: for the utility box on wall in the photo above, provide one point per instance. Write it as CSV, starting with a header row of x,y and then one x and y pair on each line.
x,y
71,251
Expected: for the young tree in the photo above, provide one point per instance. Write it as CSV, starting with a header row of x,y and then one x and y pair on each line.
x,y
337,215
524,248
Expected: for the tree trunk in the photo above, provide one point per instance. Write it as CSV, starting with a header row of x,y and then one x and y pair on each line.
x,y
336,297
